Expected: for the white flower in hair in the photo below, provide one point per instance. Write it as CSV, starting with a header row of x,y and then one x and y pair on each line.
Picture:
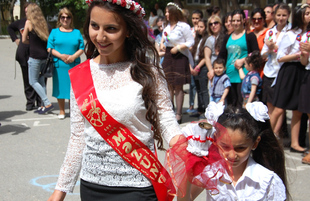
x,y
258,111
213,111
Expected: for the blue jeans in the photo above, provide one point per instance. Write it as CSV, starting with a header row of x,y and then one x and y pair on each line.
x,y
35,80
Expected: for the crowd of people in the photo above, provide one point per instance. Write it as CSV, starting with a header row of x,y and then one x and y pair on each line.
x,y
231,62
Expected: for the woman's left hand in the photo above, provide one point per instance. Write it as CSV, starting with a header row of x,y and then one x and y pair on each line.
x,y
238,63
174,50
70,59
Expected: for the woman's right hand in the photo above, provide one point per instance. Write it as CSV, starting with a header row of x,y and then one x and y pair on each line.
x,y
57,196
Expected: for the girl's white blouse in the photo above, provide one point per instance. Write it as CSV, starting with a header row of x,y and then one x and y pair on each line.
x,y
272,66
257,183
289,44
88,155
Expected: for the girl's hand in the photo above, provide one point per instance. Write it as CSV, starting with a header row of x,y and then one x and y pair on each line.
x,y
304,46
270,44
174,50
57,196
210,74
194,72
238,63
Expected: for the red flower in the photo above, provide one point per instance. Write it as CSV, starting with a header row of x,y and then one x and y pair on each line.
x,y
123,3
132,7
114,1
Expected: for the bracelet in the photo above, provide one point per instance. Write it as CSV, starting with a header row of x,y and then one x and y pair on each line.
x,y
178,47
197,69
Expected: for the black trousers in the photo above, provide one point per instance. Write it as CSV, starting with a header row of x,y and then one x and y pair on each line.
x,y
234,96
95,192
31,95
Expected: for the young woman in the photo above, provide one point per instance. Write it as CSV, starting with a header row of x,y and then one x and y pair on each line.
x,y
270,22
115,109
67,45
272,39
235,48
197,15
35,34
287,87
200,70
226,22
178,39
213,43
258,18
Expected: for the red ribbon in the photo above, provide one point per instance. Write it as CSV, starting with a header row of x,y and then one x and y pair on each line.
x,y
117,135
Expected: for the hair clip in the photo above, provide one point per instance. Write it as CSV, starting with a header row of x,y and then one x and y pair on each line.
x,y
250,54
304,5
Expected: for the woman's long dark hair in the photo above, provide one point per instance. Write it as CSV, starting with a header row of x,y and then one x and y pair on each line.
x,y
298,17
269,153
141,53
203,39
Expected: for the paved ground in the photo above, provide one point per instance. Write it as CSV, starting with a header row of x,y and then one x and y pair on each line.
x,y
32,147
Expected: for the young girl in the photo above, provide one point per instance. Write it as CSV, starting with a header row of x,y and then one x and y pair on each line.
x,y
287,87
252,83
245,139
197,15
116,112
200,70
269,52
257,158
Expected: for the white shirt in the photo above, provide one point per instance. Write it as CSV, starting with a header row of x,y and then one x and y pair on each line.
x,y
180,34
256,184
88,154
289,44
272,65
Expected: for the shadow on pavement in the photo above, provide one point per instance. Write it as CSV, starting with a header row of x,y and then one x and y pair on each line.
x,y
5,96
15,129
8,114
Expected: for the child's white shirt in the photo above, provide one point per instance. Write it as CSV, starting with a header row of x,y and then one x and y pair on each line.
x,y
257,183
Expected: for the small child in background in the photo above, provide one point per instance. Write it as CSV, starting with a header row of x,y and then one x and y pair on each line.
x,y
220,84
252,82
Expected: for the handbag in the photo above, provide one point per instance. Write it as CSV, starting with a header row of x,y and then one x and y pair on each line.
x,y
48,69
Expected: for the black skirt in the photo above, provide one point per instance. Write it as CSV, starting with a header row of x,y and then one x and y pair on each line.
x,y
304,94
176,68
286,92
95,192
268,91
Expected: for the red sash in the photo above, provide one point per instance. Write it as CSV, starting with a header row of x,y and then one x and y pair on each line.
x,y
117,135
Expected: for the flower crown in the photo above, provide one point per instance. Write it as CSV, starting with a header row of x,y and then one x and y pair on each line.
x,y
128,4
176,5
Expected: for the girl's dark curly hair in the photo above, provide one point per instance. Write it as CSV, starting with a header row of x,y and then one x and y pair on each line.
x,y
269,153
141,53
255,59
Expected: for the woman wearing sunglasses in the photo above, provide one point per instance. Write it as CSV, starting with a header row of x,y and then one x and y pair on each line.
x,y
258,18
213,43
67,45
234,50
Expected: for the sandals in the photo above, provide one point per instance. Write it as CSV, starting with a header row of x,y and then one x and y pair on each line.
x,y
306,159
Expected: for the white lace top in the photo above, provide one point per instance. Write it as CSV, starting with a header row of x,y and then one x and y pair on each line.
x,y
88,154
256,183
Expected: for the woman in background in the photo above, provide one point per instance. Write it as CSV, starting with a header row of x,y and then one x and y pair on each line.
x,y
66,44
35,34
178,39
